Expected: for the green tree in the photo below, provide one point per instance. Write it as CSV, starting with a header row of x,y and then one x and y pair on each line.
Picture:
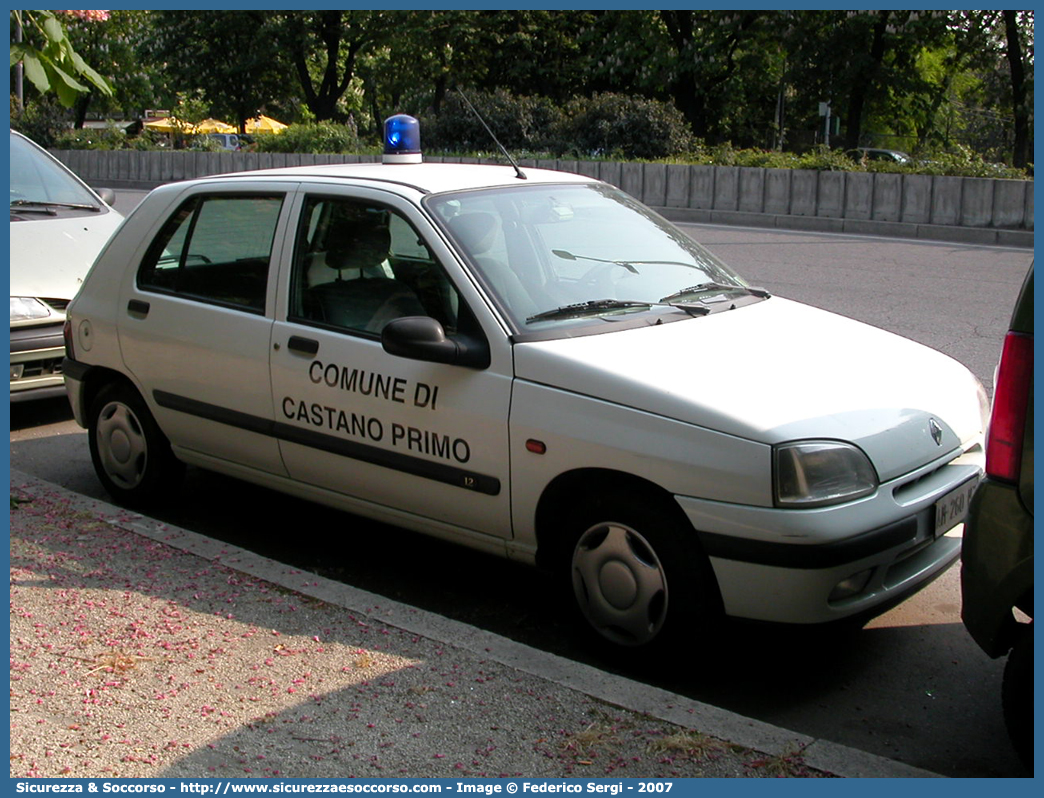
x,y
937,79
720,68
231,56
414,71
434,52
948,72
113,45
865,63
323,49
531,51
987,78
1020,66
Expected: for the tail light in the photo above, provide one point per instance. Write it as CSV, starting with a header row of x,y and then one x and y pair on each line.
x,y
1010,403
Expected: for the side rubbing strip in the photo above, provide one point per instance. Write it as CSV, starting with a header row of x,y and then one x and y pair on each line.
x,y
394,460
210,412
439,472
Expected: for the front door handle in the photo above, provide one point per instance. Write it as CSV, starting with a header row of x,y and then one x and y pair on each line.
x,y
306,346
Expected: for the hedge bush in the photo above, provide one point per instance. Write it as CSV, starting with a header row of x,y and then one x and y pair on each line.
x,y
625,127
311,137
524,125
44,121
603,126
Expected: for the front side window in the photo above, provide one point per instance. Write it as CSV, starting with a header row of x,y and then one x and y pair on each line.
x,y
215,248
358,266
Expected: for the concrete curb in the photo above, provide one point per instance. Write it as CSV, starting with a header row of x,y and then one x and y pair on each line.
x,y
820,754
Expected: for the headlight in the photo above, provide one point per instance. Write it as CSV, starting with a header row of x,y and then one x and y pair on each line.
x,y
24,308
817,473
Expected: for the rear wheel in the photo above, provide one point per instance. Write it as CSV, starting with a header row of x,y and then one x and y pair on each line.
x,y
131,456
638,576
1017,696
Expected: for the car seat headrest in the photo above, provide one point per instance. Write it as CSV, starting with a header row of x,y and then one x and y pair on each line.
x,y
357,246
475,231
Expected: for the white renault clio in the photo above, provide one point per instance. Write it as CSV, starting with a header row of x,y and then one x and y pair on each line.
x,y
530,363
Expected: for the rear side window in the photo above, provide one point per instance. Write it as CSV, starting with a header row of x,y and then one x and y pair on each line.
x,y
217,249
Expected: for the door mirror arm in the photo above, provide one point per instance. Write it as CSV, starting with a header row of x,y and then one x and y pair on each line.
x,y
423,338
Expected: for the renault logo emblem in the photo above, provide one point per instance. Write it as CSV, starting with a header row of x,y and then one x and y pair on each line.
x,y
937,431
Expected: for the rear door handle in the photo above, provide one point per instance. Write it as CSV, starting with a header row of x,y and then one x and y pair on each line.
x,y
306,346
138,307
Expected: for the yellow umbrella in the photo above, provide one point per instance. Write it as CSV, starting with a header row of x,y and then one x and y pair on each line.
x,y
170,124
263,124
214,126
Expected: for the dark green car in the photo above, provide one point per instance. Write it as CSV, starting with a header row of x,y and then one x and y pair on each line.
x,y
997,557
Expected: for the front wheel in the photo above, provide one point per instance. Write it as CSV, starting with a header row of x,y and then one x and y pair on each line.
x,y
1017,696
131,456
638,575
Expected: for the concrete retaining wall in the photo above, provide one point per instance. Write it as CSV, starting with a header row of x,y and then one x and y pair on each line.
x,y
977,210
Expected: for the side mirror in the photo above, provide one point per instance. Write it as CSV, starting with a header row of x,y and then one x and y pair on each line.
x,y
107,194
423,338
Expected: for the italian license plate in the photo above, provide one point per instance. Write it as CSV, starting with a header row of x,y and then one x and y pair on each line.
x,y
951,509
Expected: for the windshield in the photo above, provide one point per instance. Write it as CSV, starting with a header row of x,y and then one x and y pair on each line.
x,y
38,178
566,255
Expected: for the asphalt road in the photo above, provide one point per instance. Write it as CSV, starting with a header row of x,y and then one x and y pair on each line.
x,y
911,685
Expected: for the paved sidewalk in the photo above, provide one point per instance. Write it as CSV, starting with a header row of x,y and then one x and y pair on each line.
x,y
144,650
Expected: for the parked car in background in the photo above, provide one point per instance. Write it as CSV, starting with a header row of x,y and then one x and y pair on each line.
x,y
225,141
997,560
58,226
231,142
875,154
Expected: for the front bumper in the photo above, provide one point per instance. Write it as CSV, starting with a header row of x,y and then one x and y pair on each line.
x,y
36,362
783,566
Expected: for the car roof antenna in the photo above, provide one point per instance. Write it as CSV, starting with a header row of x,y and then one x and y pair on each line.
x,y
518,172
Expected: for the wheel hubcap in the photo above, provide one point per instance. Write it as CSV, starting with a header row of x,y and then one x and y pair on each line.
x,y
619,584
121,445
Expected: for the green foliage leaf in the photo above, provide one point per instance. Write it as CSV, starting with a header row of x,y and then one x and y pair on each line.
x,y
55,66
52,28
35,72
18,52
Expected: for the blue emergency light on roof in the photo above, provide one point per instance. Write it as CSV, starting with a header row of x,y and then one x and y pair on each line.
x,y
401,140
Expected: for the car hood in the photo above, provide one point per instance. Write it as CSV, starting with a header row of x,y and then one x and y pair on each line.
x,y
50,256
776,371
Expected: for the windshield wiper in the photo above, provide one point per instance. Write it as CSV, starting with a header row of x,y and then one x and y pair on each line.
x,y
48,207
627,264
598,305
583,308
694,291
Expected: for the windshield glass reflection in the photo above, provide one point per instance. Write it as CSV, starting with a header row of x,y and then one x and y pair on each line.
x,y
564,254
